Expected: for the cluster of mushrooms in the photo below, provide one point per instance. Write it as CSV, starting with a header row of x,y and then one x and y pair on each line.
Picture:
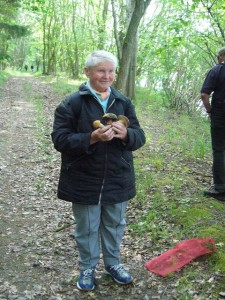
x,y
109,118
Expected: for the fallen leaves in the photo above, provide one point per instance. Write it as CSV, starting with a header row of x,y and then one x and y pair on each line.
x,y
39,259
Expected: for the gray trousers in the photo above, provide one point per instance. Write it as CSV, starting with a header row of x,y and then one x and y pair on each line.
x,y
99,225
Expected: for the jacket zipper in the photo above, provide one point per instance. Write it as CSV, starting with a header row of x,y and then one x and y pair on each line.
x,y
106,156
111,104
103,181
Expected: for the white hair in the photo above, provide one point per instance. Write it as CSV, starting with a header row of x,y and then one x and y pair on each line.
x,y
221,51
99,56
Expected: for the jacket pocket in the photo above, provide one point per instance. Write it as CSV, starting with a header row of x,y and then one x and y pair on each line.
x,y
70,165
126,162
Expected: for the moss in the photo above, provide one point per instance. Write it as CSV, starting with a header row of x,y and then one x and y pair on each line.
x,y
187,216
217,205
219,262
158,162
172,169
216,232
171,182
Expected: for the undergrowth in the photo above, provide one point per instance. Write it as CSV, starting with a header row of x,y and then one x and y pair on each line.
x,y
3,77
172,170
61,85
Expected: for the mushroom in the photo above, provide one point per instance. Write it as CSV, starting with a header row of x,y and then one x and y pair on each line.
x,y
124,120
109,118
97,124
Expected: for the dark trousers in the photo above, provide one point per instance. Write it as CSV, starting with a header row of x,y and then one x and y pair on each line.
x,y
218,148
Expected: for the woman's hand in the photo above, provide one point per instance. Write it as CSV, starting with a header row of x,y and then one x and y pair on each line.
x,y
104,134
120,130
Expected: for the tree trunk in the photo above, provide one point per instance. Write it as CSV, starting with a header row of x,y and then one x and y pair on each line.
x,y
116,30
130,88
128,57
44,47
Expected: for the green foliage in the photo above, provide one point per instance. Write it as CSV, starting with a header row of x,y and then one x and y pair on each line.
x,y
33,5
8,8
178,128
196,215
63,85
10,29
177,48
14,30
169,182
3,77
177,45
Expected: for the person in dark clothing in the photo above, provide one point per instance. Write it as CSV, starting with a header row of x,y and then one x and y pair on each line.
x,y
215,84
32,68
26,67
97,172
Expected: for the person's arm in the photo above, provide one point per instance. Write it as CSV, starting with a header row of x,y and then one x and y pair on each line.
x,y
209,86
65,137
133,136
206,102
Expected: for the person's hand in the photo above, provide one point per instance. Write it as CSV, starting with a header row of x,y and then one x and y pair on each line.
x,y
104,134
120,130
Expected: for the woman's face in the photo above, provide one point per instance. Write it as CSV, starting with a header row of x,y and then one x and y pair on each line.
x,y
221,58
101,76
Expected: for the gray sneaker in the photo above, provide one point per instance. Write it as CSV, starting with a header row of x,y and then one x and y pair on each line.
x,y
119,274
86,281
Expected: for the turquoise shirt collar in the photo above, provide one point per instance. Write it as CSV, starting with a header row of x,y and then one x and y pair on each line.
x,y
103,103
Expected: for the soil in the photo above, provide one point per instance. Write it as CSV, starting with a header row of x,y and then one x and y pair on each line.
x,y
37,251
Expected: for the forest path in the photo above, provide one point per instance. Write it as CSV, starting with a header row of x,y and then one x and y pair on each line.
x,y
38,256
27,199
38,253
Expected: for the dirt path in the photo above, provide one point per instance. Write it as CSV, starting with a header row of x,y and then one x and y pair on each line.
x,y
27,222
38,256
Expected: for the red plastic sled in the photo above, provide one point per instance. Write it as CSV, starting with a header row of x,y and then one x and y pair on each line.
x,y
182,253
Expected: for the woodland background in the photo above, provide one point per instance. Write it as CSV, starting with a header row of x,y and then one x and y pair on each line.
x,y
166,46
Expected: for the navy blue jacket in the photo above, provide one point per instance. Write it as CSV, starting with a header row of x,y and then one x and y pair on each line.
x,y
215,82
101,173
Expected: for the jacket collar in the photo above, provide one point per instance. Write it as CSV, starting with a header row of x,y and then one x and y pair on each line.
x,y
84,90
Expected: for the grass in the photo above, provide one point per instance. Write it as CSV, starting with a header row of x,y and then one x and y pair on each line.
x,y
171,205
62,85
42,131
3,77
169,194
169,182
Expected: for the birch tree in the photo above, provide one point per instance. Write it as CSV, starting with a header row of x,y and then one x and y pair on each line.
x,y
127,50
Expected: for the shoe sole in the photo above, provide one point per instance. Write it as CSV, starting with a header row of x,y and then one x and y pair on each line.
x,y
85,290
117,281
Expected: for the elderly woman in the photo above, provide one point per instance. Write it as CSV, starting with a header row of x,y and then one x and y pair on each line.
x,y
97,173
